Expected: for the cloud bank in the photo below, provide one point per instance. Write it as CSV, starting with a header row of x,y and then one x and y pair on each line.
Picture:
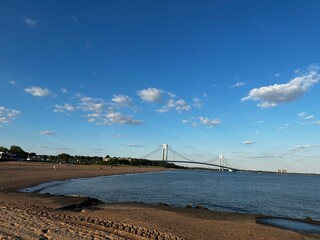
x,y
46,132
248,142
38,91
7,115
99,111
150,94
196,121
273,95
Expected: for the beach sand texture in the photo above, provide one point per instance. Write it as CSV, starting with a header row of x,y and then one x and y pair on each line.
x,y
34,216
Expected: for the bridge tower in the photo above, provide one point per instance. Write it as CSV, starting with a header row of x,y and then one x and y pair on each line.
x,y
164,152
221,162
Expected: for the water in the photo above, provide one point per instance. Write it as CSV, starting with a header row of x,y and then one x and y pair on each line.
x,y
281,195
294,225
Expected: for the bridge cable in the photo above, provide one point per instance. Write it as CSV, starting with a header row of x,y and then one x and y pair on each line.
x,y
178,154
151,153
226,163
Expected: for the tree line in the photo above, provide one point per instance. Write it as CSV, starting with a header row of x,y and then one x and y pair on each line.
x,y
77,159
63,157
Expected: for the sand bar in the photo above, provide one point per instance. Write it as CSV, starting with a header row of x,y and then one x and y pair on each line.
x,y
34,216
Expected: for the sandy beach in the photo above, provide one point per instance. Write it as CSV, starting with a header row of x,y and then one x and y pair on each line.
x,y
34,216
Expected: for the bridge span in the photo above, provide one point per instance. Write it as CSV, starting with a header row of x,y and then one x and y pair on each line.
x,y
207,164
165,149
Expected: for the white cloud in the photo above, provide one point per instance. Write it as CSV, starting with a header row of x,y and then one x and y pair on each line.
x,y
46,132
305,146
64,108
238,84
91,120
14,83
156,95
277,75
99,111
309,117
273,95
285,126
117,118
197,103
194,124
38,91
162,110
30,22
150,94
171,95
179,105
197,121
64,90
8,115
121,100
118,135
89,104
209,122
132,145
249,142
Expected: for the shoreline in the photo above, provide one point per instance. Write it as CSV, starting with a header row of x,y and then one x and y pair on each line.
x,y
31,215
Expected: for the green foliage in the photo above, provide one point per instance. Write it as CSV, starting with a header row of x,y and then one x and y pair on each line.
x,y
3,149
64,157
18,150
139,162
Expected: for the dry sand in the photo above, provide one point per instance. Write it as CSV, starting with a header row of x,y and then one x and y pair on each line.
x,y
34,216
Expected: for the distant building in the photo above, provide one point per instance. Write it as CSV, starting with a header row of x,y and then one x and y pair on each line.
x,y
282,170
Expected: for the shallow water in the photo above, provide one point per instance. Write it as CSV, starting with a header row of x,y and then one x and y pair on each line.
x,y
283,195
290,224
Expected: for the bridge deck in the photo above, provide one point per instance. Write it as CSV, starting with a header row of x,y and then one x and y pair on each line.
x,y
204,163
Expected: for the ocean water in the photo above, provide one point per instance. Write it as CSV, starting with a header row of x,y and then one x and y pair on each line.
x,y
282,195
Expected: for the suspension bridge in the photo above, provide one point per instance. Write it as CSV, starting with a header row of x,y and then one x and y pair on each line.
x,y
219,162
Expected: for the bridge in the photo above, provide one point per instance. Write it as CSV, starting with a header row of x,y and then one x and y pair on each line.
x,y
220,162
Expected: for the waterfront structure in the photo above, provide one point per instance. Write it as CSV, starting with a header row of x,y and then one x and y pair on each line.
x,y
164,152
222,165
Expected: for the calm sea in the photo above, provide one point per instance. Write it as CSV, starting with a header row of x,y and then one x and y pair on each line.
x,y
283,195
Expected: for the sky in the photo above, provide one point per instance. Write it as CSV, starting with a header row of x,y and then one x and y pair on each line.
x,y
120,78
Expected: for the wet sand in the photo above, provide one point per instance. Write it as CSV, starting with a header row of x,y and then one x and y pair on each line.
x,y
34,216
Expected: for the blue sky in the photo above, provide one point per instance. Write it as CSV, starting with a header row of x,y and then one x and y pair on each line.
x,y
238,78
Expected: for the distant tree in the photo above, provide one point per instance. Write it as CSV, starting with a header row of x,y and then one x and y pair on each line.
x,y
18,150
64,157
3,149
52,158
